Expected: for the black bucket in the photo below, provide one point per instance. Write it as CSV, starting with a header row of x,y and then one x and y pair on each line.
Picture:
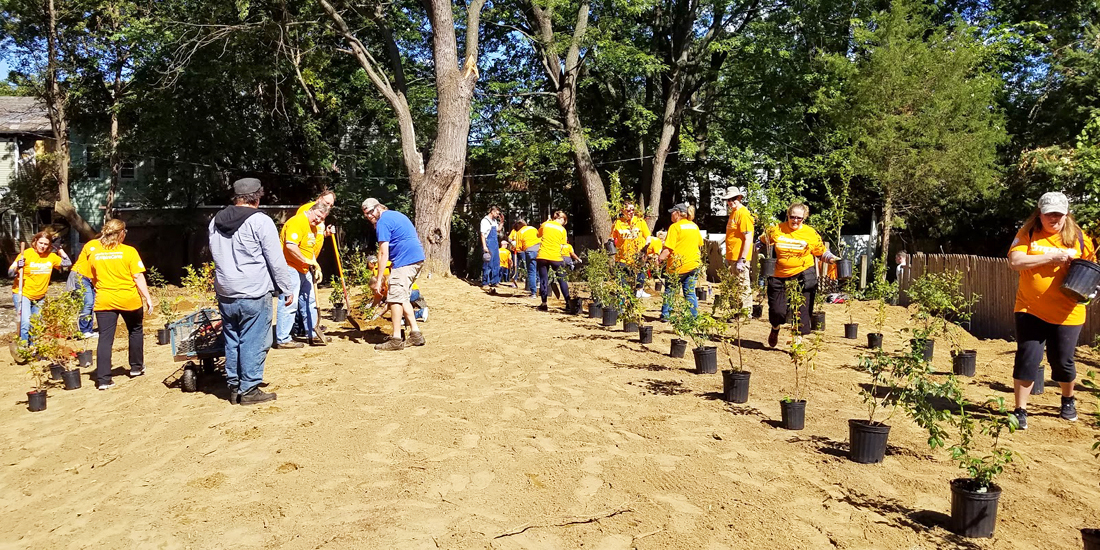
x,y
339,314
1091,539
851,330
658,286
793,414
163,336
965,362
929,347
594,311
767,267
679,348
867,441
874,340
630,326
843,269
36,400
817,320
973,513
610,317
71,379
55,372
706,359
1081,280
84,358
757,311
645,335
701,293
735,386
1040,381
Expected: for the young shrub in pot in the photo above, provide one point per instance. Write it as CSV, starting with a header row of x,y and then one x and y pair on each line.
x,y
882,292
803,354
974,499
731,311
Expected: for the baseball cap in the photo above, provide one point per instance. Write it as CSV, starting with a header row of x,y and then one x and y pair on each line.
x,y
681,208
1053,201
245,186
370,204
732,192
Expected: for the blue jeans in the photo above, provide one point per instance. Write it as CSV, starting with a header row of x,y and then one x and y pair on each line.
x,y
246,324
544,267
418,312
85,320
685,281
284,318
624,272
30,307
307,302
532,270
490,270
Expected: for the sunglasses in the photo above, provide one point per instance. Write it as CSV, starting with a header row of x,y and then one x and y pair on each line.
x,y
796,218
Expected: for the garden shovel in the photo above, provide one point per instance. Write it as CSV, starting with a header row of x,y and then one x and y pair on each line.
x,y
343,285
317,338
14,346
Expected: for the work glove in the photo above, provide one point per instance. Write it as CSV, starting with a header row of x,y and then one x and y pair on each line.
x,y
741,265
20,263
317,275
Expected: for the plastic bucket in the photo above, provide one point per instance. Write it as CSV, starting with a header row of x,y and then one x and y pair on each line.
x,y
851,330
973,513
1081,280
594,311
867,441
610,317
964,363
817,320
844,269
71,379
767,267
874,340
706,359
645,335
735,386
793,414
679,348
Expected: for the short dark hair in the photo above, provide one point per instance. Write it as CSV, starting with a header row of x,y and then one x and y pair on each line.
x,y
249,198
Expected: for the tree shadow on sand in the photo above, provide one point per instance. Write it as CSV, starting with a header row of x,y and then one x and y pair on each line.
x,y
933,524
662,387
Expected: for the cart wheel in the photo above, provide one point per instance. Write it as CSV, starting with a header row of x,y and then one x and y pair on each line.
x,y
189,381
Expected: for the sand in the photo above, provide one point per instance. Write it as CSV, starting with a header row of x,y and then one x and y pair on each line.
x,y
514,428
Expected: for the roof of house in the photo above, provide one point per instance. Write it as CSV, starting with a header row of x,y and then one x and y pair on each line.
x,y
23,115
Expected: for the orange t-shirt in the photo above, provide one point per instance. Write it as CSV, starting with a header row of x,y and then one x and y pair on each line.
x,y
1039,291
36,273
81,266
739,225
299,231
527,237
629,238
794,249
505,258
113,276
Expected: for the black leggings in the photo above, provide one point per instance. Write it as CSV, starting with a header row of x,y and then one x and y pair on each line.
x,y
777,299
107,321
1060,341
544,267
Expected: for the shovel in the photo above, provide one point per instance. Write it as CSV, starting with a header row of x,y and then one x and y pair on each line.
x,y
343,286
14,346
318,336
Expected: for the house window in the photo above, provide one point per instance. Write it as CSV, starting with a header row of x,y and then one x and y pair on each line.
x,y
91,163
127,172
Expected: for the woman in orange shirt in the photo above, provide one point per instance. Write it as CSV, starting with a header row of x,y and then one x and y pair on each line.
x,y
1045,317
33,268
119,278
796,245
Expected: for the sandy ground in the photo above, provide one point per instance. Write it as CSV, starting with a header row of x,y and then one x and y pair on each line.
x,y
512,428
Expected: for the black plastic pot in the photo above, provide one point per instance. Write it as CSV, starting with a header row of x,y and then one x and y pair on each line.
x,y
965,362
610,317
594,311
793,414
84,358
851,330
735,386
701,293
867,441
1091,539
645,335
1081,280
71,379
630,327
973,512
1040,381
757,311
767,267
874,340
659,286
706,359
679,348
843,269
929,347
163,336
817,320
55,372
573,307
339,314
36,400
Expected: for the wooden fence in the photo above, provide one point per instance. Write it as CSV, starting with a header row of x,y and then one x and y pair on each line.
x,y
995,283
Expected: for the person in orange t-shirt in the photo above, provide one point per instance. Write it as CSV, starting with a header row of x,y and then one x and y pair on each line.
x,y
33,268
739,241
1045,317
796,245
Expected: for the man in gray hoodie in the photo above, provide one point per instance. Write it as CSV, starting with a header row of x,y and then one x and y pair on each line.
x,y
249,270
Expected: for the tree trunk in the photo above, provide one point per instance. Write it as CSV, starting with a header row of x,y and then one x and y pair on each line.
x,y
116,160
586,169
887,222
669,125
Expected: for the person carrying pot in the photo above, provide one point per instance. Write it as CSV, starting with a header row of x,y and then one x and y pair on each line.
x,y
553,237
796,246
1046,317
31,270
682,252
630,234
490,237
529,244
397,243
300,236
118,276
739,241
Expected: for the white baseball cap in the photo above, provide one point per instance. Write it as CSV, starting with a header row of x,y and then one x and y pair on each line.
x,y
732,192
1054,201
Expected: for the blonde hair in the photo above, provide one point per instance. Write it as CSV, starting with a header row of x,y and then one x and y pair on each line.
x,y
112,233
801,206
1068,234
691,213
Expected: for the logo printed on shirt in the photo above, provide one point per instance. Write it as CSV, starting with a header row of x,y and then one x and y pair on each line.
x,y
1036,247
787,243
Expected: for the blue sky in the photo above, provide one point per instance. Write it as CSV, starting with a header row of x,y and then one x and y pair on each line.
x,y
3,68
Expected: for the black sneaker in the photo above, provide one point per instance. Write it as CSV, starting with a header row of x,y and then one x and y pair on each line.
x,y
1021,418
773,338
543,307
255,395
1069,409
134,373
234,397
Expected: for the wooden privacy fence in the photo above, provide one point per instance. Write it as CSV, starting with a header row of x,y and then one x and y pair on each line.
x,y
995,283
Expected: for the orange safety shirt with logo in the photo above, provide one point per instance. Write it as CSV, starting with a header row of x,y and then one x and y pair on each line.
x,y
629,237
113,277
505,258
794,249
553,238
737,228
36,273
527,237
318,230
684,240
567,251
1039,290
298,230
81,265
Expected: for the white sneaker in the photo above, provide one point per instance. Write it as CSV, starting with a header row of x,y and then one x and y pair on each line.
x,y
642,294
104,387
423,315
90,335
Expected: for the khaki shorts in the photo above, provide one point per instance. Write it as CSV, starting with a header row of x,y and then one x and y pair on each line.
x,y
401,282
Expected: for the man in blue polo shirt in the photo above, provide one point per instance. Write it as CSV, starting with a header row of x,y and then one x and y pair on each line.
x,y
397,243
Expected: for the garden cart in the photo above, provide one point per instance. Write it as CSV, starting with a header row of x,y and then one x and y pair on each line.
x,y
197,339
